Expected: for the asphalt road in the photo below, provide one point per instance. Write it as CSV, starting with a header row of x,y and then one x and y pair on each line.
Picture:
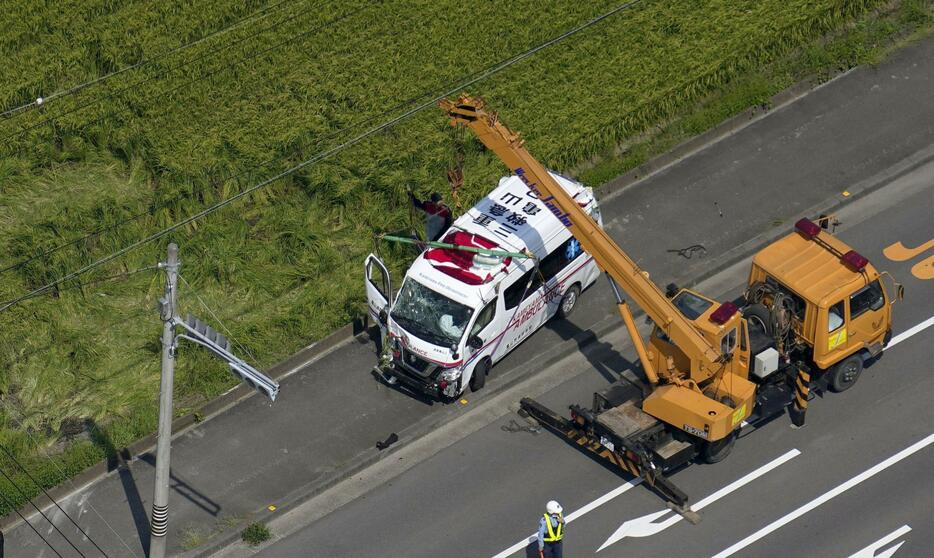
x,y
227,470
482,495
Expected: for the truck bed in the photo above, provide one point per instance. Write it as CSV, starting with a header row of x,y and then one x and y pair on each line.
x,y
626,419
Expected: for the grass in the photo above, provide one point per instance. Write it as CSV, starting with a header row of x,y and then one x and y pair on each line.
x,y
282,267
192,537
255,533
863,42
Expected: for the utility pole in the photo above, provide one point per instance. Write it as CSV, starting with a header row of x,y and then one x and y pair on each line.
x,y
160,498
200,333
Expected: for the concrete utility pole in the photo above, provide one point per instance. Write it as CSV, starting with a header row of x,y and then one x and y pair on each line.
x,y
160,498
199,333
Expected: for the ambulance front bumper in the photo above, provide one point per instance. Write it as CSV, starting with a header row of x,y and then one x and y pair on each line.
x,y
394,374
438,389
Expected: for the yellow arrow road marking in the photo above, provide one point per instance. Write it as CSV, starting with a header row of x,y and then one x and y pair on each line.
x,y
924,269
898,252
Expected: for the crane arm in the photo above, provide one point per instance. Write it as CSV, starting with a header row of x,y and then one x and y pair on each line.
x,y
508,146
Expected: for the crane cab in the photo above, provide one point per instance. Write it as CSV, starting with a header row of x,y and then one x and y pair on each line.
x,y
707,403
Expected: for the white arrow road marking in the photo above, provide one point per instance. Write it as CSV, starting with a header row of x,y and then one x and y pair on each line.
x,y
781,522
617,491
870,551
572,516
646,525
908,333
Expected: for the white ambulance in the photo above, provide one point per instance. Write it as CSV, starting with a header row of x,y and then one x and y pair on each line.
x,y
457,313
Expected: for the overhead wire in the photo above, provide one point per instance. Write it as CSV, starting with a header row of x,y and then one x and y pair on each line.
x,y
329,152
224,68
123,275
96,232
52,523
211,312
70,481
26,521
156,207
49,496
265,11
199,190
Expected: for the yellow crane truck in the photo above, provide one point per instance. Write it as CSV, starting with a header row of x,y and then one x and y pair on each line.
x,y
814,310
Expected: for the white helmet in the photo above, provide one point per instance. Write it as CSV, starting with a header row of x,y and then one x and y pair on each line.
x,y
553,507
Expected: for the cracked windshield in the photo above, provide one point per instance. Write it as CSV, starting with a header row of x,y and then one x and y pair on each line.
x,y
430,315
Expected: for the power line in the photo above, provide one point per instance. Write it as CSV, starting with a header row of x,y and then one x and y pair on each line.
x,y
156,207
70,481
49,496
74,89
203,77
31,526
136,84
124,275
328,152
211,312
54,526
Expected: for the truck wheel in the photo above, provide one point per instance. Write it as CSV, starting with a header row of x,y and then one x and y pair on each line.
x,y
715,452
845,373
478,379
759,316
569,301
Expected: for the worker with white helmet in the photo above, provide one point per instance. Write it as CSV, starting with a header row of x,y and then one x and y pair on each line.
x,y
551,531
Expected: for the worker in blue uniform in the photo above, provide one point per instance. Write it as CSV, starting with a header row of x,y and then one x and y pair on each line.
x,y
551,531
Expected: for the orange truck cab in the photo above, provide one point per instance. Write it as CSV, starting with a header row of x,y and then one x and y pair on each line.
x,y
821,301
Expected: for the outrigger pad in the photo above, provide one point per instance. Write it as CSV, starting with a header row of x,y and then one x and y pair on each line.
x,y
687,513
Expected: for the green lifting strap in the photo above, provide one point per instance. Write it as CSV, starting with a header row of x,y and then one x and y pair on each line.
x,y
433,244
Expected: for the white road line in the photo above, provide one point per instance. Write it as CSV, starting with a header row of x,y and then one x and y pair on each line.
x,y
572,516
870,551
823,498
601,500
647,526
616,492
908,333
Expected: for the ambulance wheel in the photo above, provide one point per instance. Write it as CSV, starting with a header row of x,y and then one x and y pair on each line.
x,y
478,379
845,373
715,452
569,301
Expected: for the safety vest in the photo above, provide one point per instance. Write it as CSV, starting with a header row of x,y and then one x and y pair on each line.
x,y
554,535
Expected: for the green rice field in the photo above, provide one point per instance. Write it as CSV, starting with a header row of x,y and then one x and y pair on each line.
x,y
179,129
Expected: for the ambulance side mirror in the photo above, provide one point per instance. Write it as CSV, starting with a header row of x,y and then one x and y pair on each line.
x,y
475,342
383,316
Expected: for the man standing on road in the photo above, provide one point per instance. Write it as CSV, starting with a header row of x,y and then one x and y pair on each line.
x,y
438,214
551,531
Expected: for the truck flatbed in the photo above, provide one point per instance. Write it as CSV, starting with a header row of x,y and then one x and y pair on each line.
x,y
626,420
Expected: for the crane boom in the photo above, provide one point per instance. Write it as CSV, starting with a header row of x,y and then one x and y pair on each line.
x,y
509,147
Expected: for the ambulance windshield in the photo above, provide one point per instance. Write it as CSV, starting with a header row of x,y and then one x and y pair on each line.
x,y
430,315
